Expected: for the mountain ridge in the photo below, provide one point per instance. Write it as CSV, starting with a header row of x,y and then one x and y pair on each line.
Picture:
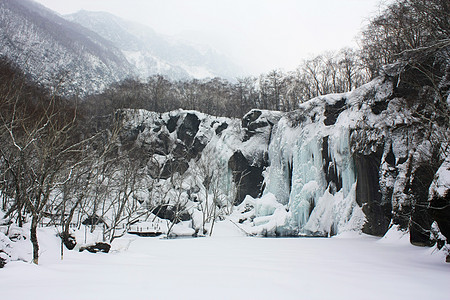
x,y
73,60
152,53
53,50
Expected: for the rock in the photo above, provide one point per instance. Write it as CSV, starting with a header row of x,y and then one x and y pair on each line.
x,y
172,213
221,128
3,259
173,166
250,117
188,128
368,194
97,247
439,206
334,180
379,106
198,146
421,220
68,240
180,150
447,259
172,123
248,178
92,220
332,111
161,144
253,121
439,210
255,125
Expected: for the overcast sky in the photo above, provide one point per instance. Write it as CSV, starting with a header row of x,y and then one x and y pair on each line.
x,y
259,35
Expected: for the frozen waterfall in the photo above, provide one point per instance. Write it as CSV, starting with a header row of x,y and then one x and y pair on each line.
x,y
312,174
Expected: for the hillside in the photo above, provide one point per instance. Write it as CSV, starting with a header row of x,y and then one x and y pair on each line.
x,y
151,53
86,52
56,52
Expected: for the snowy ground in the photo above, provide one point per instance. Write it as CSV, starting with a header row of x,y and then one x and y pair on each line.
x,y
230,266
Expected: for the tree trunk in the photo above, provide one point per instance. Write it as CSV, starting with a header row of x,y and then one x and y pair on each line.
x,y
34,240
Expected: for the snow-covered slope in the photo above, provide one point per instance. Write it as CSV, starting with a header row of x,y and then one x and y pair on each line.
x,y
55,51
151,53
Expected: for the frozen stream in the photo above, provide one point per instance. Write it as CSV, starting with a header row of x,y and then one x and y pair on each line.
x,y
229,266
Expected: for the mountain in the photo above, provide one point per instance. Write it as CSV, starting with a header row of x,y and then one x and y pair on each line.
x,y
85,52
151,53
54,51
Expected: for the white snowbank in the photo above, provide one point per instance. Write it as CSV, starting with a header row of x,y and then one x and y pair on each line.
x,y
346,267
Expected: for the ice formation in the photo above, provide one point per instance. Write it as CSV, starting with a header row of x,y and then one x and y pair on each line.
x,y
340,162
312,172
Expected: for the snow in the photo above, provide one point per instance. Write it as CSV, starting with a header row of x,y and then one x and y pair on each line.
x,y
231,266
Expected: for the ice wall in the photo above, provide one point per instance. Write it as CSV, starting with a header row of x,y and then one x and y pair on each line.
x,y
312,170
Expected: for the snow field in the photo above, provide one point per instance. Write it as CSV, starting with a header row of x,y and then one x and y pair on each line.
x,y
231,266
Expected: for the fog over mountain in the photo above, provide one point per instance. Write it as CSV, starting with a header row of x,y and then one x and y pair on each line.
x,y
51,49
85,52
151,53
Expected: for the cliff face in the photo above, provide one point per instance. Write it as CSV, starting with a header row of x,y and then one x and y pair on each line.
x,y
363,160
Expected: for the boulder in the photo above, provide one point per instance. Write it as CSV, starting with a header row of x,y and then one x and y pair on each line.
x,y
68,240
97,247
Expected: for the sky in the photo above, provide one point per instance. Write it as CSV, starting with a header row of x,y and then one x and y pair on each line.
x,y
258,35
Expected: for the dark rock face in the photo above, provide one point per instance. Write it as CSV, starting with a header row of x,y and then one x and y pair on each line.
x,y
333,111
188,129
421,220
221,128
97,247
197,146
379,106
173,166
172,213
368,195
92,220
248,178
180,150
2,260
161,145
172,123
334,181
439,210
